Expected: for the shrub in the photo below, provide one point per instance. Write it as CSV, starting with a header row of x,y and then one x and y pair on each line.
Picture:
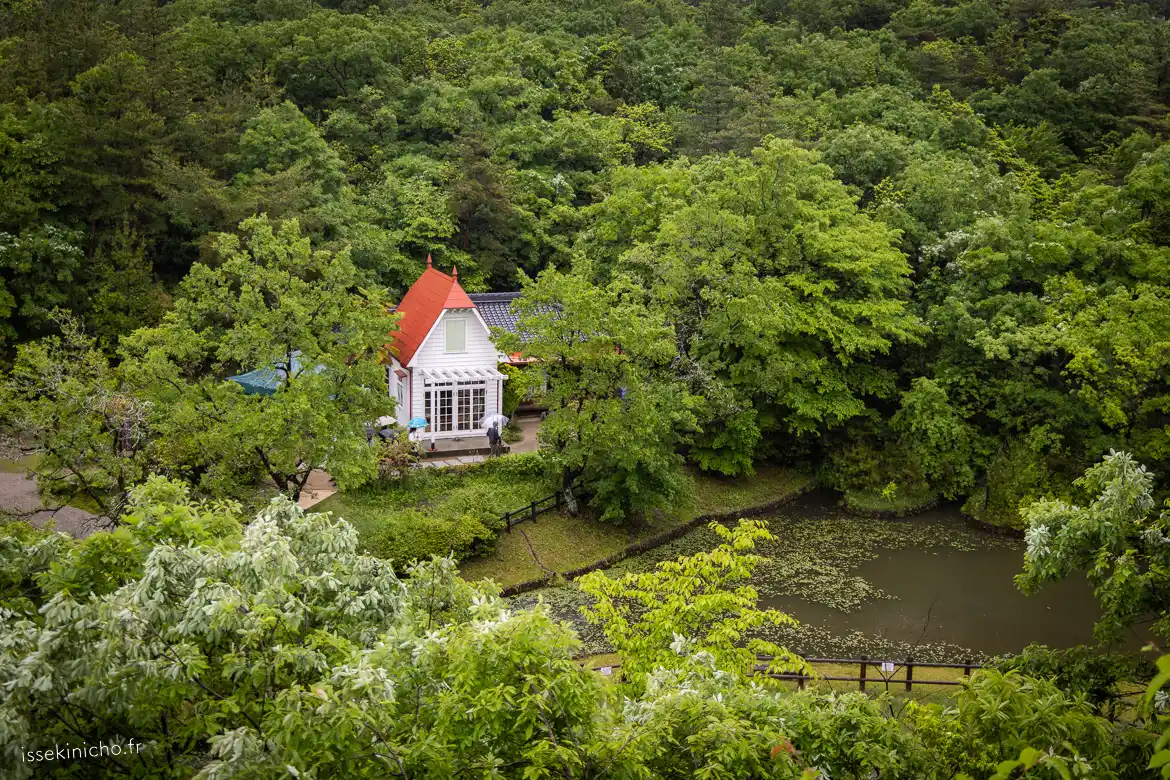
x,y
432,512
513,390
1016,475
1082,670
413,535
524,465
865,466
397,457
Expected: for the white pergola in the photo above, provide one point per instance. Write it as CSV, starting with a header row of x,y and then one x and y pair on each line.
x,y
460,374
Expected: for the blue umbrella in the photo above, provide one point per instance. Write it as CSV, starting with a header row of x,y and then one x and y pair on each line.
x,y
417,422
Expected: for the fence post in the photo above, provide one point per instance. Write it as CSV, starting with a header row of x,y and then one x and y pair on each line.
x,y
557,500
800,682
508,522
532,507
909,672
861,677
967,667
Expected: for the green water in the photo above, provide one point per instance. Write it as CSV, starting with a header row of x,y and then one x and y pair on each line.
x,y
929,586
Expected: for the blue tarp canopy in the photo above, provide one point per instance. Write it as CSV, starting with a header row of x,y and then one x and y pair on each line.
x,y
265,381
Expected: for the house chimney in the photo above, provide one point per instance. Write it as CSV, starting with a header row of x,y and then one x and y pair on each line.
x,y
428,259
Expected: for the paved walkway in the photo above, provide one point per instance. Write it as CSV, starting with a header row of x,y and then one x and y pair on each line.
x,y
19,497
457,460
319,487
529,425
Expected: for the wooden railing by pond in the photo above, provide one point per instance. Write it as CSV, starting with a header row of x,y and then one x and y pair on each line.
x,y
885,669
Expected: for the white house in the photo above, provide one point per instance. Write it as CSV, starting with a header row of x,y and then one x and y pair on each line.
x,y
443,366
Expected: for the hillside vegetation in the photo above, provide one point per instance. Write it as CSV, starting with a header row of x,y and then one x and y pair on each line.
x,y
915,242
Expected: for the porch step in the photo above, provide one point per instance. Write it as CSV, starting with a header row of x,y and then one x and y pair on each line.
x,y
449,454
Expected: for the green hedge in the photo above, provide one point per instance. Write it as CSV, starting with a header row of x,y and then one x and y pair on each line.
x,y
435,512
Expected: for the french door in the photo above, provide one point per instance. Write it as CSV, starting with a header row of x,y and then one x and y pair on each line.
x,y
472,401
438,410
458,409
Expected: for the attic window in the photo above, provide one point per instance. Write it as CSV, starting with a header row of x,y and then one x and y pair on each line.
x,y
455,330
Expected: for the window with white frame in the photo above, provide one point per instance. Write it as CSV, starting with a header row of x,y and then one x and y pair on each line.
x,y
455,333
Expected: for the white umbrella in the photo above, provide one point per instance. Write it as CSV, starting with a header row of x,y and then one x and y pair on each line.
x,y
493,419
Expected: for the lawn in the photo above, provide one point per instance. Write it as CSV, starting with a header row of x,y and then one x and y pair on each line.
x,y
724,494
561,542
433,511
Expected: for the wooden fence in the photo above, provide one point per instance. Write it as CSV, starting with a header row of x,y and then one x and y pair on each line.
x,y
885,671
656,541
537,507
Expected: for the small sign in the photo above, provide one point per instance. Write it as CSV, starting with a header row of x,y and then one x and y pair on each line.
x,y
888,666
606,670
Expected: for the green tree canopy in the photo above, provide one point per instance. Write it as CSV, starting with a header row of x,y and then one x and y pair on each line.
x,y
270,301
615,416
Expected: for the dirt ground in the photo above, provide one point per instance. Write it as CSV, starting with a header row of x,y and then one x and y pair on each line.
x,y
19,497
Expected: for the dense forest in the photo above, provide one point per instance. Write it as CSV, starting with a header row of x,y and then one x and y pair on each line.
x,y
911,249
918,242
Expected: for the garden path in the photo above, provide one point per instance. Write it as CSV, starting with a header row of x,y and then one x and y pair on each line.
x,y
529,425
319,487
456,460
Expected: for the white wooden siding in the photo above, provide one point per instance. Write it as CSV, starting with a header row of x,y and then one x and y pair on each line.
x,y
432,354
401,410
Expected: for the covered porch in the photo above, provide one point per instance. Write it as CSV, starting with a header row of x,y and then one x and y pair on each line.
x,y
454,401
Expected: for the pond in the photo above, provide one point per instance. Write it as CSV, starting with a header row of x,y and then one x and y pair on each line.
x,y
929,586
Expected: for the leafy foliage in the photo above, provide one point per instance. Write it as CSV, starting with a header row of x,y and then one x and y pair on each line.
x,y
615,417
826,205
269,302
64,395
1116,539
277,649
1097,676
697,604
429,512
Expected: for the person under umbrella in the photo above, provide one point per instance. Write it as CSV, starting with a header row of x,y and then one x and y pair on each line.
x,y
494,423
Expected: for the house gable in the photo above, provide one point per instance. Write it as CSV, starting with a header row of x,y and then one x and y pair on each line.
x,y
453,389
479,350
422,306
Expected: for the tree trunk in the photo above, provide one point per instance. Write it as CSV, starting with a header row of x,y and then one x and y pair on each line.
x,y
567,491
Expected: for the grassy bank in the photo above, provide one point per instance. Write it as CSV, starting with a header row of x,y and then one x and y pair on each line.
x,y
558,542
994,515
903,500
19,465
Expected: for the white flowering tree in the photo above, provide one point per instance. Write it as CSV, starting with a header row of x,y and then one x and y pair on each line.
x,y
1117,538
282,652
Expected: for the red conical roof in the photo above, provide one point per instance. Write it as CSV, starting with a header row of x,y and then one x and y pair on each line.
x,y
421,306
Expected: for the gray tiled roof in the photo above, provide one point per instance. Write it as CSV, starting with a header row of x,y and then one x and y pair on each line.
x,y
496,309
